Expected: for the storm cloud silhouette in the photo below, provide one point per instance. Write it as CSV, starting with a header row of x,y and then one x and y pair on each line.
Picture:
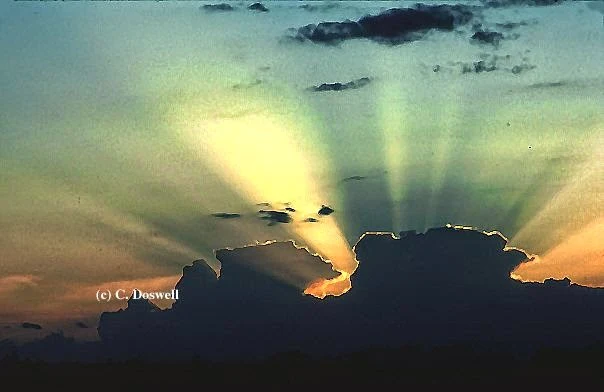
x,y
447,285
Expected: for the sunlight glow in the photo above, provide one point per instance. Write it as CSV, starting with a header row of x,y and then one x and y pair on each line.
x,y
570,209
579,257
392,124
266,162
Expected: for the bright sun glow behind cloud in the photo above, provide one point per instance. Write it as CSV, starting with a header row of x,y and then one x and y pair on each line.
x,y
265,159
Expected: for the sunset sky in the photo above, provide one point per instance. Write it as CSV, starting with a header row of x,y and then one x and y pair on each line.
x,y
124,127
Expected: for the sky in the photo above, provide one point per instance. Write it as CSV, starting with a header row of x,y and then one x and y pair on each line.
x,y
131,132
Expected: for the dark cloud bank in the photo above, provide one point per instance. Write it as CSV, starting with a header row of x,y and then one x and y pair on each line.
x,y
395,25
446,286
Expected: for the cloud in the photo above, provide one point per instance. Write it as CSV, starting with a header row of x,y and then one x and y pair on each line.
x,y
274,216
515,3
479,66
284,261
311,220
396,25
354,178
319,7
258,7
512,25
353,84
8,284
520,68
226,215
548,84
217,7
487,37
325,210
81,324
447,285
27,325
493,62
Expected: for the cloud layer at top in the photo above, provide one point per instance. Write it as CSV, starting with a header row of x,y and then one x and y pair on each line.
x,y
395,25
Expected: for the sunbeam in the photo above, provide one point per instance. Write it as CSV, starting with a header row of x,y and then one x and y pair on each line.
x,y
572,208
266,160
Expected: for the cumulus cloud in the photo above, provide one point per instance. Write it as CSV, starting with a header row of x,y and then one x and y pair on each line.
x,y
337,86
258,7
446,285
282,260
396,25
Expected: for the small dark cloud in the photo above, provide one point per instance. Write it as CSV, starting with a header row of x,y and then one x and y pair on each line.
x,y
290,209
394,26
353,84
217,7
319,7
487,37
251,84
258,7
264,204
27,325
354,178
491,62
511,25
275,217
547,85
515,3
226,215
311,220
479,67
81,324
520,68
325,210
